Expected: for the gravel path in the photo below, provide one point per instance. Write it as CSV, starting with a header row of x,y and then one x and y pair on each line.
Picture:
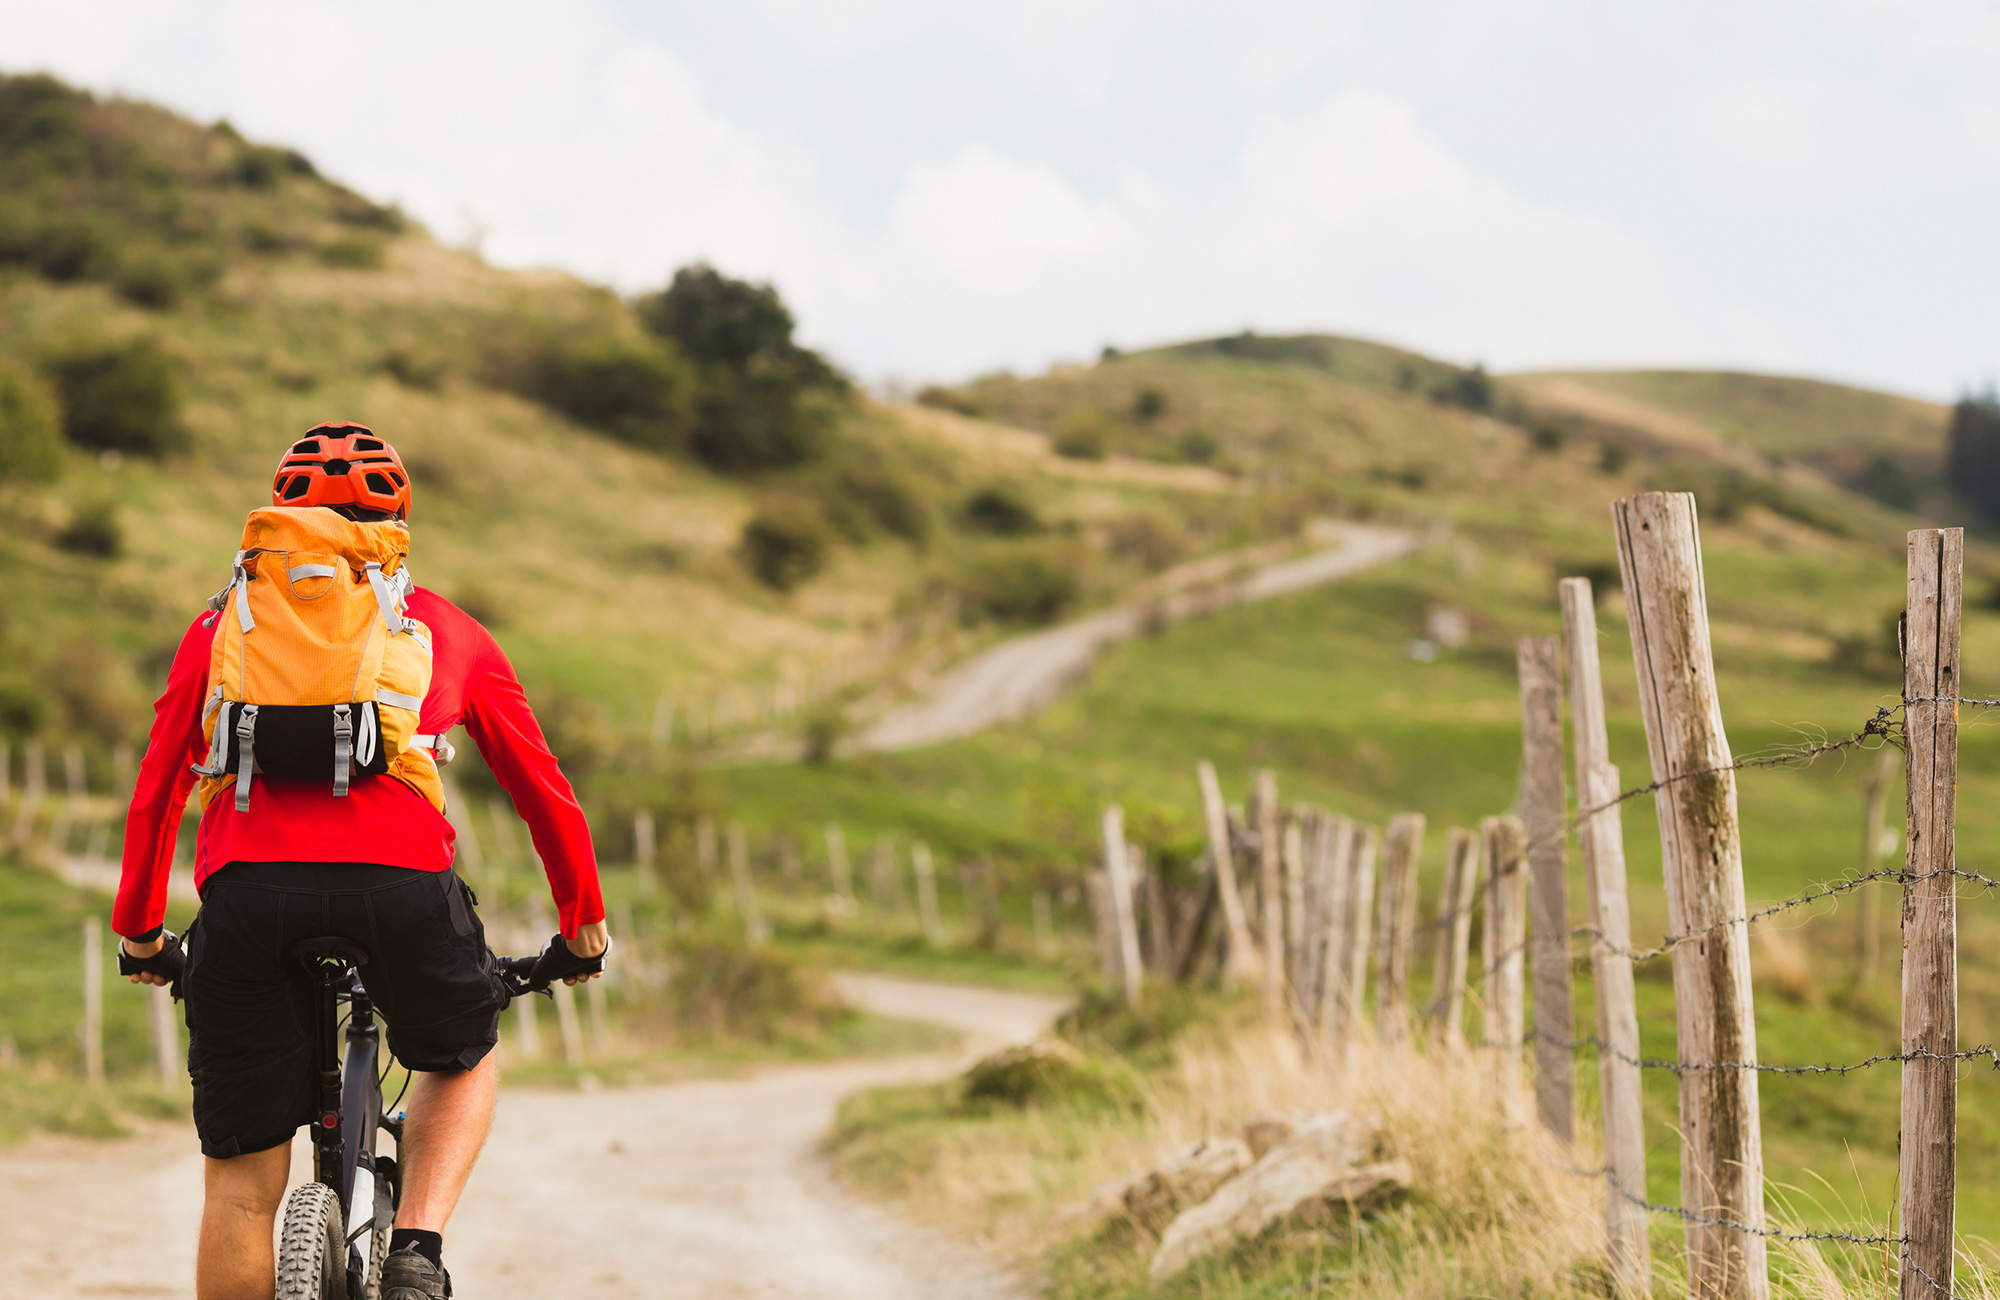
x,y
703,1189
1024,674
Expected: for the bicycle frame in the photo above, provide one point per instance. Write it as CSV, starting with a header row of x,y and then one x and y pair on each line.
x,y
347,1093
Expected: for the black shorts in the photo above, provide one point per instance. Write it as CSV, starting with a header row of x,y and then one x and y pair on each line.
x,y
249,1015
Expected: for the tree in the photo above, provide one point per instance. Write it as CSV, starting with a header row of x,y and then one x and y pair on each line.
x,y
760,397
1973,462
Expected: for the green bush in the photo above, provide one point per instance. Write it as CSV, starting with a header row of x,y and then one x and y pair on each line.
x,y
152,279
1083,434
756,421
24,707
1002,511
1198,447
638,392
30,440
120,397
1049,1072
1020,588
93,531
784,545
891,501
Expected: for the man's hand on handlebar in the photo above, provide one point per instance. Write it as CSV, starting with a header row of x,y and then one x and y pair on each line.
x,y
592,940
162,955
571,960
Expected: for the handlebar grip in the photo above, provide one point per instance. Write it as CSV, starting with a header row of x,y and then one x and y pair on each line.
x,y
558,962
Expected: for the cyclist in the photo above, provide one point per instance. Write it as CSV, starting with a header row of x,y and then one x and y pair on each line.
x,y
374,866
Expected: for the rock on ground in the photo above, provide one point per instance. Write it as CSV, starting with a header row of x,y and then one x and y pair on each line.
x,y
1320,1164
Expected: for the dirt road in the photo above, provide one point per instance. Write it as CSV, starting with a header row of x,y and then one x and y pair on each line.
x,y
706,1189
1019,676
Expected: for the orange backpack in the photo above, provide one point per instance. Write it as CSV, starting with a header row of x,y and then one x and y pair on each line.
x,y
315,673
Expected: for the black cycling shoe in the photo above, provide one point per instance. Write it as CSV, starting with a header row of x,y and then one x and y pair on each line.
x,y
407,1275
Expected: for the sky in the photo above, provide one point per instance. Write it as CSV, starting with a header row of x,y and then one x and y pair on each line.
x,y
942,189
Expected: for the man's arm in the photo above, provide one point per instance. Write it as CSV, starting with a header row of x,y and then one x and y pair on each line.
x,y
498,719
161,792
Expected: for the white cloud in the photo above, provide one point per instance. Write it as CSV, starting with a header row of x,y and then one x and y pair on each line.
x,y
1784,128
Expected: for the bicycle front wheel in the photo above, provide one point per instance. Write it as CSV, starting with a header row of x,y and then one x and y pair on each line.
x,y
312,1253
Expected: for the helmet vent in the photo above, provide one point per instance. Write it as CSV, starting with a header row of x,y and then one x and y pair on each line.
x,y
367,444
336,467
306,448
377,483
297,487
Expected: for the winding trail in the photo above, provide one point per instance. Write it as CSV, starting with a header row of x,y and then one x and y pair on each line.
x,y
1019,676
707,1189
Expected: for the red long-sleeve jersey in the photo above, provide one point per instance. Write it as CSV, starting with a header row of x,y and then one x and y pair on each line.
x,y
380,820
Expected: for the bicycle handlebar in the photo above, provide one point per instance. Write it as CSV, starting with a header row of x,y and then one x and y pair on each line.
x,y
524,975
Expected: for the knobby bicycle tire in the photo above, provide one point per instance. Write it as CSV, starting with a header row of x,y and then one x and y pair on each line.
x,y
312,1250
378,1251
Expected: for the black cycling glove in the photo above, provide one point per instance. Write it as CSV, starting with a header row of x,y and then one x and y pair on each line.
x,y
170,961
557,962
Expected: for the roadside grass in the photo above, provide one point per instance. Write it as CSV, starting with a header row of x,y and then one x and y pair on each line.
x,y
1494,1208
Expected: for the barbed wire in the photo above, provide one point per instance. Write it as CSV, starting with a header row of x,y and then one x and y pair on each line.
x,y
1592,1041
1689,1216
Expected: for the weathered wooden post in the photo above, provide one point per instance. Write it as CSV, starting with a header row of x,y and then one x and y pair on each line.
x,y
568,1026
1874,809
746,888
1044,922
1454,940
93,1000
1928,1163
1722,1171
836,865
882,876
927,904
1243,964
704,850
34,788
1359,928
1271,888
1293,856
1539,662
167,1059
1600,836
643,848
1104,925
1504,842
1118,876
596,1001
1330,959
1397,925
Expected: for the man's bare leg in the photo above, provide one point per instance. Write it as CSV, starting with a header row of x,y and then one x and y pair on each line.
x,y
241,1199
443,1129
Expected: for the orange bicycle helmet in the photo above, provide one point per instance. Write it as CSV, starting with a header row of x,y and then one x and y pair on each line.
x,y
342,464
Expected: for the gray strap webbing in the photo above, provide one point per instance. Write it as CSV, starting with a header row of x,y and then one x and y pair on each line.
x,y
343,749
243,618
440,747
398,700
385,598
298,571
246,757
364,747
218,741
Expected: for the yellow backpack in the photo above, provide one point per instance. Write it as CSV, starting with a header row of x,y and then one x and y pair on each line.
x,y
315,673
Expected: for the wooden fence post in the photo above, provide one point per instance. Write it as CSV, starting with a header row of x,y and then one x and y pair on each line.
x,y
1336,862
704,850
1461,885
1874,807
882,876
746,888
1928,1163
927,904
93,1000
1504,842
1293,859
34,788
1104,925
836,865
167,1058
1397,925
1360,929
1722,1170
1044,921
1118,877
1243,964
643,848
1600,836
1539,661
1271,888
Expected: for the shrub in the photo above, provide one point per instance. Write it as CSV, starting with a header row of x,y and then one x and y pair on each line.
x,y
637,392
1002,511
1973,461
1036,1074
1547,436
153,280
1082,434
889,499
1149,405
1470,389
120,397
30,444
1150,541
1889,481
93,530
1613,457
24,707
950,399
1198,447
753,421
1021,588
784,546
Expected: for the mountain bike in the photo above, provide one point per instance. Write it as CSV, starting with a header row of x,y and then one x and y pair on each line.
x,y
336,1227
